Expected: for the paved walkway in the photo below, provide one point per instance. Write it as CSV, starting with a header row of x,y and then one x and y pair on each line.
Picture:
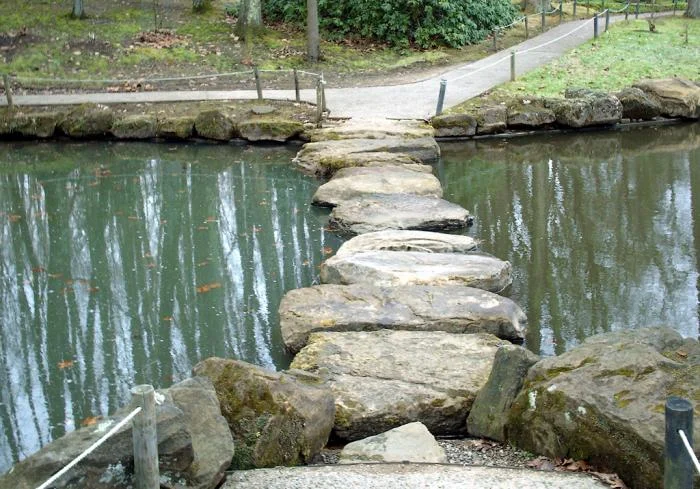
x,y
407,476
413,100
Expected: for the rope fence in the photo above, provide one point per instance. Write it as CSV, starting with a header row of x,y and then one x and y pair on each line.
x,y
680,462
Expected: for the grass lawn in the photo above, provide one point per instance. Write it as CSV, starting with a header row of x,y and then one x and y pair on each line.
x,y
627,53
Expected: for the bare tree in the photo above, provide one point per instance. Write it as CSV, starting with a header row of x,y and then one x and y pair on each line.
x,y
249,17
312,37
78,12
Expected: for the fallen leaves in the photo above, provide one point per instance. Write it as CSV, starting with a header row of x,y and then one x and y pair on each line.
x,y
203,289
64,364
90,420
571,465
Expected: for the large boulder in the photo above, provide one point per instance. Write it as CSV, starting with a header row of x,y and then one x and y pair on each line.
x,y
489,413
269,129
491,119
384,379
175,127
215,124
388,268
411,442
275,418
637,105
594,109
88,120
676,96
351,183
604,401
363,307
194,447
406,240
35,124
137,126
325,166
529,114
380,212
314,156
454,125
373,128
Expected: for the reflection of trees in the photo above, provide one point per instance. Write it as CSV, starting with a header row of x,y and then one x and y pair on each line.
x,y
599,242
116,274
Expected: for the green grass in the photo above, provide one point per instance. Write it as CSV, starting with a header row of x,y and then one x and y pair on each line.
x,y
627,53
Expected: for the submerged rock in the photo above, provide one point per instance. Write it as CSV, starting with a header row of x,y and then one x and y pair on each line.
x,y
139,126
363,307
279,130
411,442
676,96
275,418
397,211
88,120
386,268
603,401
406,240
384,379
352,183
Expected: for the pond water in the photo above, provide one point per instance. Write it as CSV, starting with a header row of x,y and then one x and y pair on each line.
x,y
127,263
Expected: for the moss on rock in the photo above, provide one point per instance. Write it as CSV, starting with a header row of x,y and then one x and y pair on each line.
x,y
269,129
88,120
137,126
215,124
177,127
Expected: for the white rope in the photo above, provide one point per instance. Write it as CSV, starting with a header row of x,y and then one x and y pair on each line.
x,y
557,39
91,449
690,450
509,25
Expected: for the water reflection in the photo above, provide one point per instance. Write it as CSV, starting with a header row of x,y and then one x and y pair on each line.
x,y
123,264
602,228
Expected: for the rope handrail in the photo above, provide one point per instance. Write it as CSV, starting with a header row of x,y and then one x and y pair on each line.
x,y
91,448
516,21
690,450
626,6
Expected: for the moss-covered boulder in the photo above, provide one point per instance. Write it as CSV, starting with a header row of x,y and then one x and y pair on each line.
x,y
35,124
275,418
454,125
87,121
215,124
589,109
637,105
137,126
604,401
177,127
529,114
269,129
676,96
491,119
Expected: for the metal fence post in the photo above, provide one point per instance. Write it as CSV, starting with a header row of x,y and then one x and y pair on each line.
x,y
495,40
595,26
8,91
297,97
319,103
678,466
512,66
146,471
441,96
258,86
607,19
323,94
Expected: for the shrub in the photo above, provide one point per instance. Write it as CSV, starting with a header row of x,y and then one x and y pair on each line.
x,y
420,23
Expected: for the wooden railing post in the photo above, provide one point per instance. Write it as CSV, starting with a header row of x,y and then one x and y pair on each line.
x,y
678,466
146,471
8,91
258,85
296,86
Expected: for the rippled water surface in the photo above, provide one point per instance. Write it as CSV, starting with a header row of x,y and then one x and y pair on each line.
x,y
127,263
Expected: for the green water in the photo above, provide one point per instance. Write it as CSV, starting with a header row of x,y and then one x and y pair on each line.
x,y
127,263
602,229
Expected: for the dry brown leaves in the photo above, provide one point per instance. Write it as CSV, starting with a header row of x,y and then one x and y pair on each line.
x,y
571,465
159,39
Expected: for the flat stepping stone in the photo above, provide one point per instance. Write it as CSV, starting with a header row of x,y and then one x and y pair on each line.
x,y
382,476
397,211
374,128
388,268
406,240
313,157
411,442
384,379
351,183
361,307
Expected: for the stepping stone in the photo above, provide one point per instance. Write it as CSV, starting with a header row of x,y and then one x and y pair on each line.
x,y
411,442
351,183
405,240
381,476
387,268
362,307
326,165
397,211
374,128
384,379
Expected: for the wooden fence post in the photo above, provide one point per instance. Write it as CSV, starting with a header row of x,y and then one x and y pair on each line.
x,y
495,40
678,466
8,91
595,26
575,9
319,103
561,11
297,97
607,19
636,10
258,85
146,471
527,31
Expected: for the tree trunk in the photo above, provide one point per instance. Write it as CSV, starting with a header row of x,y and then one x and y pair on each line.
x,y
249,17
693,9
312,37
78,12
